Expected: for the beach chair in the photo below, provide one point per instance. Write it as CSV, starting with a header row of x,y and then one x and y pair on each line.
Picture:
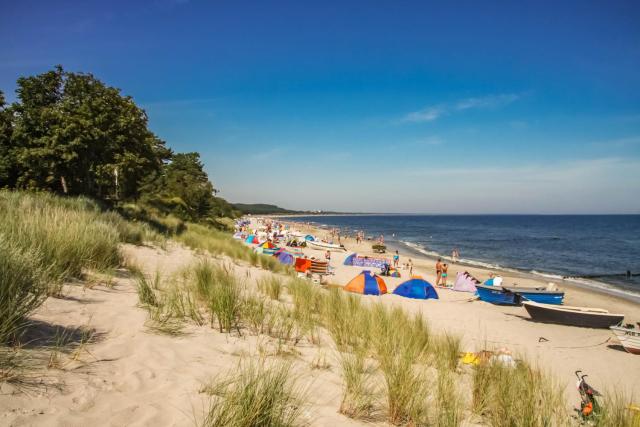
x,y
318,269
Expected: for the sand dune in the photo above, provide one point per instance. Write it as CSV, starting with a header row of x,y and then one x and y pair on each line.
x,y
133,376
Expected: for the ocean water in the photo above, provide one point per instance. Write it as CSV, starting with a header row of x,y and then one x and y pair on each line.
x,y
556,246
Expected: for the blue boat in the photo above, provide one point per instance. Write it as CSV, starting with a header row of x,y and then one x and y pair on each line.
x,y
497,295
539,295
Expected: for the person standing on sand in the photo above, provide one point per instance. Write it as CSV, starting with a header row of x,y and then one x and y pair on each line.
x,y
438,271
443,275
410,267
396,259
327,256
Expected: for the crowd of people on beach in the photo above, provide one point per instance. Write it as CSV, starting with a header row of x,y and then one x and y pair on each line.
x,y
274,228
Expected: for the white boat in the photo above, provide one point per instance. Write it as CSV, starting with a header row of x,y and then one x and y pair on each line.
x,y
315,244
629,338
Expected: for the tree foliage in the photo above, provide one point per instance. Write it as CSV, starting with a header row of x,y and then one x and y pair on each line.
x,y
70,133
75,135
184,189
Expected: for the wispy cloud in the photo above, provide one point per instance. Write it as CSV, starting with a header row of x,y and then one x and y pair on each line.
x,y
427,115
434,112
491,101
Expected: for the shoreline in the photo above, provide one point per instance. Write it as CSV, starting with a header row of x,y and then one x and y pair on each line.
x,y
559,349
539,278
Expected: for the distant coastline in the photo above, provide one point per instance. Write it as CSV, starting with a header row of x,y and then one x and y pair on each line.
x,y
534,272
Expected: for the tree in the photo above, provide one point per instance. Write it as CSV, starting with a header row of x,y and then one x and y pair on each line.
x,y
184,188
75,135
7,170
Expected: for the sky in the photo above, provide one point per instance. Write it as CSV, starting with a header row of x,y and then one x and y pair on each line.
x,y
369,106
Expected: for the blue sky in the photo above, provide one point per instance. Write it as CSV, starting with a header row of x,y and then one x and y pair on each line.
x,y
398,106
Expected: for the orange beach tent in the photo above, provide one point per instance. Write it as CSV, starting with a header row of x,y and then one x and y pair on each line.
x,y
367,283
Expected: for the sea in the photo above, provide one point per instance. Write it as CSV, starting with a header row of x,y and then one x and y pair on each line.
x,y
591,250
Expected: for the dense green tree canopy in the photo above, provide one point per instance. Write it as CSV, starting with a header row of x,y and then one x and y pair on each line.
x,y
73,134
184,188
70,133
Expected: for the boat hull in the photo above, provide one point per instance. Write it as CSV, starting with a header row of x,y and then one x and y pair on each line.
x,y
539,296
555,314
497,295
629,338
325,246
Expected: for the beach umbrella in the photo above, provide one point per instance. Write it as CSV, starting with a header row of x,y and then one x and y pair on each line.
x,y
416,287
252,239
267,245
367,283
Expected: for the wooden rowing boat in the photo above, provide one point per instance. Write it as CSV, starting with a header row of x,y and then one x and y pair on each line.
x,y
574,316
629,338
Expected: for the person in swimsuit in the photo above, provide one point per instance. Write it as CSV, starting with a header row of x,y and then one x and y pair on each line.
x,y
396,259
443,275
438,271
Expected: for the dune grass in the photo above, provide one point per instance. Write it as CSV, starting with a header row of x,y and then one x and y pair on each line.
x,y
517,396
258,395
65,236
616,410
46,240
397,350
219,289
220,243
359,392
22,288
449,405
271,286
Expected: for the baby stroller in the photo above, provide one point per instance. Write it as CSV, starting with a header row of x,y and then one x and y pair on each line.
x,y
589,407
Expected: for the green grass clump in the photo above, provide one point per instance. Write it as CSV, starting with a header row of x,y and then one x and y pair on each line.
x,y
257,395
218,243
617,410
397,350
64,236
219,289
146,293
449,404
271,286
359,394
346,319
517,396
22,289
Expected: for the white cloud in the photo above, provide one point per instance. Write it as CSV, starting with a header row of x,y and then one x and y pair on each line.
x,y
427,115
434,112
491,101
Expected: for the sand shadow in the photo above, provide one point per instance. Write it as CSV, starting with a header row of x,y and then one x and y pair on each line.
x,y
42,335
520,316
617,347
123,273
77,299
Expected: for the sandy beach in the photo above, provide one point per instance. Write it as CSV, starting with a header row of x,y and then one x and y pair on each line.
x,y
563,350
127,374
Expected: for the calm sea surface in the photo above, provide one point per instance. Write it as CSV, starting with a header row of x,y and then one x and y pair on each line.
x,y
551,245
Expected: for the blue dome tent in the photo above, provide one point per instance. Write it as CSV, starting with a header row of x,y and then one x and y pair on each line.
x,y
416,287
